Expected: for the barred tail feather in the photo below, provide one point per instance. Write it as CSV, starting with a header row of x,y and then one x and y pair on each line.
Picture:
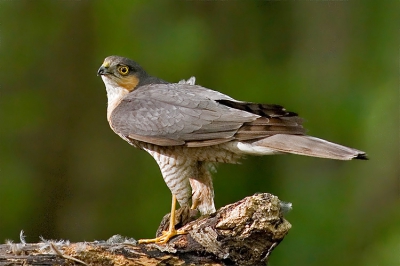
x,y
309,146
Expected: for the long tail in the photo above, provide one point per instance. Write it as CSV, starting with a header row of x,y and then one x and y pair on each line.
x,y
309,146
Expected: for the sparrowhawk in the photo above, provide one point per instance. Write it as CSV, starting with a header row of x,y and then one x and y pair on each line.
x,y
187,128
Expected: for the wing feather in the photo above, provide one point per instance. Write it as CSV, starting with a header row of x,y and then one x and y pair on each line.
x,y
182,114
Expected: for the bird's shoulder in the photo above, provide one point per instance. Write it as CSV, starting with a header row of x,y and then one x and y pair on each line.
x,y
176,91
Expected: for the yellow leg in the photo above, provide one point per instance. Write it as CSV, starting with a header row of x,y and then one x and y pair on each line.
x,y
194,204
166,235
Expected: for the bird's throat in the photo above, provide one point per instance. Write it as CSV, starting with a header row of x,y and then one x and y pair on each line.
x,y
115,96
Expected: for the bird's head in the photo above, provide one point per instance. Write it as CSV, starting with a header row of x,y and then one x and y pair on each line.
x,y
120,72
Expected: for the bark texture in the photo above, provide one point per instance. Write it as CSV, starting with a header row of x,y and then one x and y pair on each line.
x,y
242,233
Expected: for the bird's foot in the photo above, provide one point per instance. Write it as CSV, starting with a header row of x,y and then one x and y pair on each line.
x,y
164,237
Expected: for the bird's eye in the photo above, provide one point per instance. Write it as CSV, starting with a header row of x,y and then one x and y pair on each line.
x,y
123,70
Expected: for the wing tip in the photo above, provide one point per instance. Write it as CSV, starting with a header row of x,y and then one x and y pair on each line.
x,y
361,156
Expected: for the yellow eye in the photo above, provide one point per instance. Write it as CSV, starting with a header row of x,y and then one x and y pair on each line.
x,y
123,70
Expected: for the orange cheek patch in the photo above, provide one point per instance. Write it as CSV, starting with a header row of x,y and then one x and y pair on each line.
x,y
129,82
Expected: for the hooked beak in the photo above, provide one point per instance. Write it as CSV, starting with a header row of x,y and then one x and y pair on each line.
x,y
103,71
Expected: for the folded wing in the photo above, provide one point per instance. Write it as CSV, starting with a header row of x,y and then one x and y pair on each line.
x,y
182,114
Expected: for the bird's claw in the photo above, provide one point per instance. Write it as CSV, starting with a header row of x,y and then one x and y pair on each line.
x,y
164,238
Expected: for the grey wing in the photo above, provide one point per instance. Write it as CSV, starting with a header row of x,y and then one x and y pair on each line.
x,y
178,114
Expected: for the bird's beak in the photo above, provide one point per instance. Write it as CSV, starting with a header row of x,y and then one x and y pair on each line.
x,y
103,70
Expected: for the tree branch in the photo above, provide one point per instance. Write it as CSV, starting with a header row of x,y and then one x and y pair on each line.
x,y
242,233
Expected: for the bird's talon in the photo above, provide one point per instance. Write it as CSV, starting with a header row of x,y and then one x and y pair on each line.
x,y
181,232
166,235
164,238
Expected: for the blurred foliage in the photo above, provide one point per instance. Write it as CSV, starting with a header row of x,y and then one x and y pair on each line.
x,y
65,174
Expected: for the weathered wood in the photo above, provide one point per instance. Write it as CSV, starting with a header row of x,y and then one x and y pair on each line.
x,y
242,233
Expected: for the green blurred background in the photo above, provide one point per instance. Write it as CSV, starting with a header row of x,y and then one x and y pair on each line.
x,y
65,175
